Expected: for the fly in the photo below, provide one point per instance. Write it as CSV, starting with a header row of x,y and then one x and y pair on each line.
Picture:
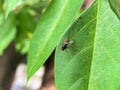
x,y
66,44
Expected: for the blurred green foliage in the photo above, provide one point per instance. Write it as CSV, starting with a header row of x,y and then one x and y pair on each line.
x,y
19,25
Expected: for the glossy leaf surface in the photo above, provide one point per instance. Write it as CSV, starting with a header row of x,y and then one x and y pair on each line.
x,y
52,24
92,62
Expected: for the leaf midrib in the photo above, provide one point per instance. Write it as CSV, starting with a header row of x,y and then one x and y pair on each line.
x,y
39,51
93,42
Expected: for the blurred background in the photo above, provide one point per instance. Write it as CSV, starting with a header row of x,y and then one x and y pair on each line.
x,y
15,34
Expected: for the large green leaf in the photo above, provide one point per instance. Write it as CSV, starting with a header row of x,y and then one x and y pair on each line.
x,y
105,64
92,61
7,32
52,24
72,66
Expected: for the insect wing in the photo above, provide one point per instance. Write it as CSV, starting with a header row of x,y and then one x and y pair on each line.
x,y
70,42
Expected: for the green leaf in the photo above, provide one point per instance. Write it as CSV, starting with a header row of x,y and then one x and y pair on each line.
x,y
30,2
10,5
1,18
72,66
92,62
7,32
52,24
41,6
1,5
105,64
115,4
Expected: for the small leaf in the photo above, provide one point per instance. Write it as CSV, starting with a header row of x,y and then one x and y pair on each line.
x,y
52,24
10,5
7,32
26,28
